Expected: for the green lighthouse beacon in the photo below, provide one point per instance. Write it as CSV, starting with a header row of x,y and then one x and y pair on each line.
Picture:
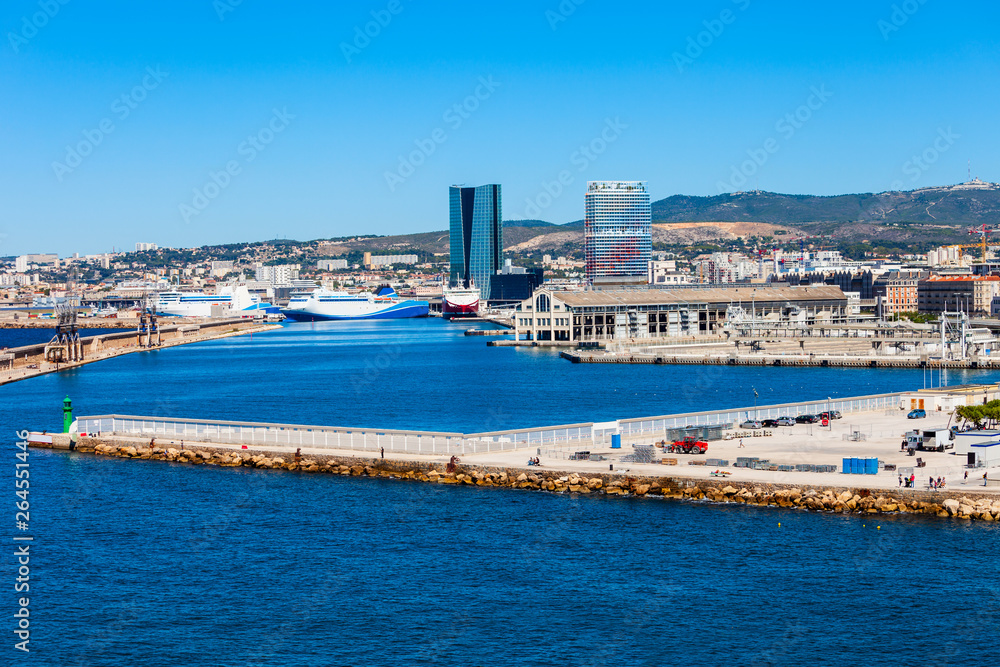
x,y
67,414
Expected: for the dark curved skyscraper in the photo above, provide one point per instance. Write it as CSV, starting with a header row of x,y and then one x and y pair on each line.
x,y
476,236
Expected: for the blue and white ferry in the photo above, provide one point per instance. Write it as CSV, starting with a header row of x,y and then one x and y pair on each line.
x,y
322,304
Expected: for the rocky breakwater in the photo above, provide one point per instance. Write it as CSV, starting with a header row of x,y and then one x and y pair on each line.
x,y
983,507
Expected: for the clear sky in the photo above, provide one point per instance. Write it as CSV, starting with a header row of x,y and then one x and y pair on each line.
x,y
191,121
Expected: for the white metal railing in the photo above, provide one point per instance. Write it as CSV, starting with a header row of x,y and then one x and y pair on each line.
x,y
731,417
442,443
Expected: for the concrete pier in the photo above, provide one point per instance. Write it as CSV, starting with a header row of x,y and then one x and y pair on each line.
x,y
810,360
20,363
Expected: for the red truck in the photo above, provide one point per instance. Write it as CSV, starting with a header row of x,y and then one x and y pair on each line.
x,y
689,445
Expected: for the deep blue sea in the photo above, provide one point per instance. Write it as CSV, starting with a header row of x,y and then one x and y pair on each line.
x,y
146,563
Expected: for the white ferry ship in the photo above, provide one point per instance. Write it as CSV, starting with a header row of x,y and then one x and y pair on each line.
x,y
199,304
321,304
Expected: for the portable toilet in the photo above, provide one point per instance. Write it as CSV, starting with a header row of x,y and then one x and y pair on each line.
x,y
848,466
616,441
871,466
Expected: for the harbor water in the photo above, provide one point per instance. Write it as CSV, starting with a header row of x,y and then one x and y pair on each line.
x,y
161,564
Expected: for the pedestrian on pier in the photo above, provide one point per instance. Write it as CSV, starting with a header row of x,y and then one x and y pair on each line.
x,y
741,443
900,480
382,451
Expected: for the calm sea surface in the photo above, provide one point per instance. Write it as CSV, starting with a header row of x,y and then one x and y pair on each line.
x,y
162,564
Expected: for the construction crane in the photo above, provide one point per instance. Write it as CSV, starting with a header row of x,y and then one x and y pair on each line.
x,y
983,231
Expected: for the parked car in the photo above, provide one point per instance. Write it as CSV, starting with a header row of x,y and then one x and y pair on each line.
x,y
769,423
806,419
917,414
750,423
832,414
785,421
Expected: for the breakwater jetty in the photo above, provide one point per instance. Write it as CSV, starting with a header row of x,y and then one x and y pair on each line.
x,y
839,499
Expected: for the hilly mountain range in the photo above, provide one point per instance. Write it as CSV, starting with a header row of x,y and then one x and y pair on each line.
x,y
955,205
917,220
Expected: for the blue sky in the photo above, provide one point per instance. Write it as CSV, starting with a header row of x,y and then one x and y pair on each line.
x,y
251,120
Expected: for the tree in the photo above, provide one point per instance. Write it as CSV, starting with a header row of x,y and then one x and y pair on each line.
x,y
981,416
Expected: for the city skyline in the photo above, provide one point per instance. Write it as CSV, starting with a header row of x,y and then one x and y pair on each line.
x,y
122,120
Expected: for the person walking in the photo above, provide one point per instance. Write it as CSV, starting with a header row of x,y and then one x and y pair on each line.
x,y
966,474
382,451
900,480
741,444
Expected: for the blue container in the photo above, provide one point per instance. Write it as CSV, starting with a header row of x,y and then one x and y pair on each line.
x,y
859,466
616,441
848,466
871,466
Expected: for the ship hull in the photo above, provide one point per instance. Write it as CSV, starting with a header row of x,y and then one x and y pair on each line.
x,y
453,310
400,310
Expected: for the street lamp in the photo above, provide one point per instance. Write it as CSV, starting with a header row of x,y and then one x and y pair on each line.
x,y
829,414
756,413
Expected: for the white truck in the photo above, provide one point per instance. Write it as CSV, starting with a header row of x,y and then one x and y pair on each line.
x,y
937,439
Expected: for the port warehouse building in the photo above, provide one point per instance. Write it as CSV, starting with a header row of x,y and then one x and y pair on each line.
x,y
608,314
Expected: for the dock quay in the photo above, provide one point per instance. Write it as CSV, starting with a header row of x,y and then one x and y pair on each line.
x,y
489,332
789,466
20,363
833,361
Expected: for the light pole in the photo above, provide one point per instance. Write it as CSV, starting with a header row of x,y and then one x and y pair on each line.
x,y
829,414
756,413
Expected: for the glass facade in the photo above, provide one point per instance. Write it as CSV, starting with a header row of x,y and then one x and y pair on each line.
x,y
476,236
617,229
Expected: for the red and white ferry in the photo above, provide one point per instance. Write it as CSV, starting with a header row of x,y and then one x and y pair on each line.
x,y
460,302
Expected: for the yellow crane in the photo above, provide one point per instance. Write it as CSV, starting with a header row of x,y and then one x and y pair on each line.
x,y
984,231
